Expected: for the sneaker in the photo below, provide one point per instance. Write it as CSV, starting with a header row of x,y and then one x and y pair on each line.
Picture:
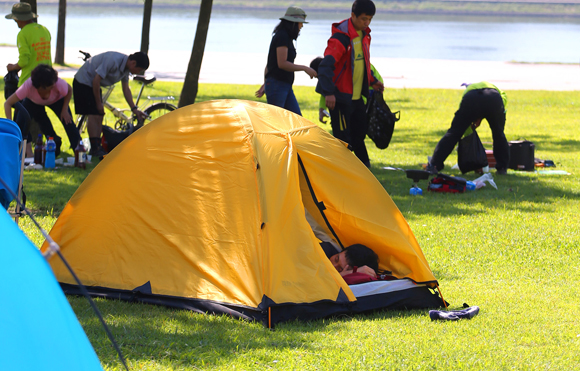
x,y
501,171
97,151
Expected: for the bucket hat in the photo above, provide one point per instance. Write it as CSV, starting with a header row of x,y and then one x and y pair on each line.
x,y
21,12
295,14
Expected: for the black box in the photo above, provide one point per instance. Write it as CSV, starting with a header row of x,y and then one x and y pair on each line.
x,y
522,155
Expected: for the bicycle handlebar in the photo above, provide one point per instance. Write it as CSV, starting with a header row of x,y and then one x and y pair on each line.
x,y
86,55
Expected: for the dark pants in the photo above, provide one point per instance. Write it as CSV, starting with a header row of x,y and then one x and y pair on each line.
x,y
38,113
475,105
349,124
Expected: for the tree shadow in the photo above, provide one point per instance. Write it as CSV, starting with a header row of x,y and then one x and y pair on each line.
x,y
183,338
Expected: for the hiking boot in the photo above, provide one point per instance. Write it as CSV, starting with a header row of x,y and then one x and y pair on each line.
x,y
97,151
501,171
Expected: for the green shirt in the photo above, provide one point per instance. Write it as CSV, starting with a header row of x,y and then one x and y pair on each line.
x,y
33,49
358,69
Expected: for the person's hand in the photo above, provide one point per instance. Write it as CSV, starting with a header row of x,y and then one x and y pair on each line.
x,y
321,115
100,108
141,116
260,92
310,72
330,101
12,67
378,86
66,117
476,123
367,270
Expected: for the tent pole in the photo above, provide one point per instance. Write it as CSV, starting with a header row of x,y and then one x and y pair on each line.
x,y
440,294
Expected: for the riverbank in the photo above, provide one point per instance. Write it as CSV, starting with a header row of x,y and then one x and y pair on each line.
x,y
527,8
397,72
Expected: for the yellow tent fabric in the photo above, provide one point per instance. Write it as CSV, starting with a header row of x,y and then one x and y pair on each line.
x,y
208,203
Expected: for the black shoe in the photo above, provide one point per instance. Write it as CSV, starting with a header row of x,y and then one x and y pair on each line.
x,y
97,151
501,171
431,169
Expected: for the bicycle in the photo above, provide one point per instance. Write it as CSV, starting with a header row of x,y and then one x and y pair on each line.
x,y
124,123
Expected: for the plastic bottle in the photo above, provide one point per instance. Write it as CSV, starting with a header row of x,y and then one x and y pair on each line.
x,y
470,186
416,191
80,155
50,153
38,150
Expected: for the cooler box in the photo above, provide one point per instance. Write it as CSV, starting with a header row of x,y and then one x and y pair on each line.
x,y
522,155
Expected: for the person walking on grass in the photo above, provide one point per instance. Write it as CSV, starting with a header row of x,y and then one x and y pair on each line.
x,y
344,77
480,101
279,72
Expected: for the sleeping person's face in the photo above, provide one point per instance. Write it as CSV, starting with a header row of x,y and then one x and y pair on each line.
x,y
339,261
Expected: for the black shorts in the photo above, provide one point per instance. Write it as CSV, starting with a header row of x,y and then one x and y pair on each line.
x,y
84,99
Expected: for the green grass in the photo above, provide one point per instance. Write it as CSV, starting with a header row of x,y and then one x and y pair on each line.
x,y
512,251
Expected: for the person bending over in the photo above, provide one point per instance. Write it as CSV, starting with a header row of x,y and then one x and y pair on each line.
x,y
105,69
46,89
480,101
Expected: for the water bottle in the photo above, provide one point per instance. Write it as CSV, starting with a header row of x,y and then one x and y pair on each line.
x,y
416,191
50,153
38,150
470,186
80,155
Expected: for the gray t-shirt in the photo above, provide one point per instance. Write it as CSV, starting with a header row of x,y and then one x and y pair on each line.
x,y
111,66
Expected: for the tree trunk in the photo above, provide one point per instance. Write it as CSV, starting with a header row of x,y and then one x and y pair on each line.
x,y
146,26
190,85
59,56
32,6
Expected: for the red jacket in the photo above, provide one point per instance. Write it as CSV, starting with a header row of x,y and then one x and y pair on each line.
x,y
335,70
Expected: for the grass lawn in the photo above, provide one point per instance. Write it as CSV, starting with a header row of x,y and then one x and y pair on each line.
x,y
513,251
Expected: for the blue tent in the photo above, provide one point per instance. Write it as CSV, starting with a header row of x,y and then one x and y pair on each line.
x,y
38,328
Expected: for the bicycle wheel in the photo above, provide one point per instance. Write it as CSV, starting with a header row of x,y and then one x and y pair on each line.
x,y
157,110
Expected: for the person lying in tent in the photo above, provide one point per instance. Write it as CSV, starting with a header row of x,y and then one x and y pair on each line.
x,y
357,255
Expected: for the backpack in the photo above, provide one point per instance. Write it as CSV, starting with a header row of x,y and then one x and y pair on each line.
x,y
447,183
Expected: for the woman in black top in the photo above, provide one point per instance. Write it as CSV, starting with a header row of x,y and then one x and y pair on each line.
x,y
279,73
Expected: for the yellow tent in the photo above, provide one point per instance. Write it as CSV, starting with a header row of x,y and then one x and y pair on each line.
x,y
204,209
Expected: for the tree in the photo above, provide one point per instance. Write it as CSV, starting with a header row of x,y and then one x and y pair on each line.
x,y
59,55
190,85
147,8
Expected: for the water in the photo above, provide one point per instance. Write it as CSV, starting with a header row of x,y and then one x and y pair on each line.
x,y
394,36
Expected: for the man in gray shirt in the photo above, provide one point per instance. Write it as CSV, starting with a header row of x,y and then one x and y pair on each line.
x,y
105,69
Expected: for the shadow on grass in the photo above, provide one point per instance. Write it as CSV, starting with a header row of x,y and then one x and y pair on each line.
x,y
526,192
184,338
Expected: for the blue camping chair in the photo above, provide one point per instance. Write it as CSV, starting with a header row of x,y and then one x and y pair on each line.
x,y
12,153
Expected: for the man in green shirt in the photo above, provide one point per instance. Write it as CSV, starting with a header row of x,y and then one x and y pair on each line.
x,y
480,101
33,42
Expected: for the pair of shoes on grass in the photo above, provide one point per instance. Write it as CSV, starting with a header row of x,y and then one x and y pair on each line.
x,y
454,315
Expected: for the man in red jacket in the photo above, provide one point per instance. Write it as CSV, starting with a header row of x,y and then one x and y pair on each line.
x,y
344,76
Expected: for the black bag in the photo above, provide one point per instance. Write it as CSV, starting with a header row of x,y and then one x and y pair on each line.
x,y
522,155
10,83
112,138
470,153
381,121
